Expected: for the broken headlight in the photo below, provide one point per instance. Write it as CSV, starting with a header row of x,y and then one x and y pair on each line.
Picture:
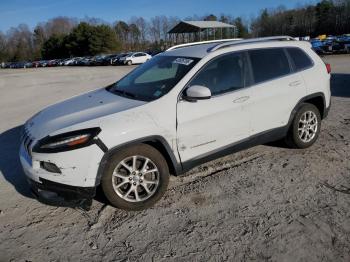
x,y
67,141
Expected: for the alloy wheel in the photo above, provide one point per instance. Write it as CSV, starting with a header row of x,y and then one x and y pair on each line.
x,y
135,179
307,127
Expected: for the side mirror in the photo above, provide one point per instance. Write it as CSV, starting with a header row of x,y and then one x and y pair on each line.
x,y
197,92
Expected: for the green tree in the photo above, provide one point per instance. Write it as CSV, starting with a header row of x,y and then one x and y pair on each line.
x,y
325,17
102,40
39,40
55,47
241,28
88,39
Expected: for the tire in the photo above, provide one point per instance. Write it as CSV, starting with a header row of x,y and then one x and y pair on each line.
x,y
129,62
305,127
120,180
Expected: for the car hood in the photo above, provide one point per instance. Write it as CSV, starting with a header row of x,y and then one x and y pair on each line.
x,y
78,109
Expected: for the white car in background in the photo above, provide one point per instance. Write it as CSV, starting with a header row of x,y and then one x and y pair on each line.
x,y
184,107
135,58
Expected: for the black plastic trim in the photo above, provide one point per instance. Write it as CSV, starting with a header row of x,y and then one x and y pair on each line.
x,y
101,145
176,165
67,195
297,106
326,111
50,139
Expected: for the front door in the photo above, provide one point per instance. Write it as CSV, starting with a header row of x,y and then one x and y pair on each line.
x,y
206,126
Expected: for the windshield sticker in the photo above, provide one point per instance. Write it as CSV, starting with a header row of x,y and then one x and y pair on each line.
x,y
183,61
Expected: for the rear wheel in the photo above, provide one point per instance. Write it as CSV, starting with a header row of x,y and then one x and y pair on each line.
x,y
305,127
135,178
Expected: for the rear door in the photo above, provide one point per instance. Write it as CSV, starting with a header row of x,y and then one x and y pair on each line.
x,y
276,88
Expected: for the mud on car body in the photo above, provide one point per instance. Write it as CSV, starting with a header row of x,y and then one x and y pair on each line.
x,y
186,106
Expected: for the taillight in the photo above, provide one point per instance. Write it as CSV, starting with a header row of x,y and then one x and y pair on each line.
x,y
329,70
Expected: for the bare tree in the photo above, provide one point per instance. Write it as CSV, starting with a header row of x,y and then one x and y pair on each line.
x,y
122,30
141,24
134,35
165,27
3,47
59,25
155,29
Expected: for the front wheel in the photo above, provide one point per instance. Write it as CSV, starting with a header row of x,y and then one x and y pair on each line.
x,y
135,178
129,62
305,127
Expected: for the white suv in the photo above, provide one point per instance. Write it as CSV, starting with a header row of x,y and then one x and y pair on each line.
x,y
188,105
135,58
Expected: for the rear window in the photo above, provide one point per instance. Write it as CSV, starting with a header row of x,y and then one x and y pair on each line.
x,y
268,64
300,59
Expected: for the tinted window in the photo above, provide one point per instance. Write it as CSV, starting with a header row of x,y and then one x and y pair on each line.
x,y
224,74
299,58
268,64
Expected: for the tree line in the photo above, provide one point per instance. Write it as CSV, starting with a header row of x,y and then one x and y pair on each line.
x,y
63,37
326,17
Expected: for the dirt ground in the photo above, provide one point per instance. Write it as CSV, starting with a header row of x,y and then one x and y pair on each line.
x,y
267,203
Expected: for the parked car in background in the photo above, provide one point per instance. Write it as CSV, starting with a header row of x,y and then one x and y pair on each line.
x,y
43,63
135,58
319,46
28,64
52,63
21,64
70,61
108,60
117,60
84,61
344,43
97,60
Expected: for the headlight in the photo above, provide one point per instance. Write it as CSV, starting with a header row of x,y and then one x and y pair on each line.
x,y
67,141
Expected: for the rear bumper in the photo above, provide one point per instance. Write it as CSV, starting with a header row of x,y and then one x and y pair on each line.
x,y
57,194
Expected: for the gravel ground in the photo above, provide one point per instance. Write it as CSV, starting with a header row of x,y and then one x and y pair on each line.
x,y
267,203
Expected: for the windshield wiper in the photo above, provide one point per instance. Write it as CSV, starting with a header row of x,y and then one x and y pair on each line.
x,y
124,93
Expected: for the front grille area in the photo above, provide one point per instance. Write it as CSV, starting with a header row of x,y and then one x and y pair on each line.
x,y
27,141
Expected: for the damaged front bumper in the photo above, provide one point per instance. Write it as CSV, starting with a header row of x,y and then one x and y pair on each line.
x,y
57,194
72,184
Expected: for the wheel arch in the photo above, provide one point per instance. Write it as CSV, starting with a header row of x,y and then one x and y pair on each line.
x,y
317,99
158,142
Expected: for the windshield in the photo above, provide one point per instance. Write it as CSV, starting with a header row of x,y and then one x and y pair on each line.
x,y
154,78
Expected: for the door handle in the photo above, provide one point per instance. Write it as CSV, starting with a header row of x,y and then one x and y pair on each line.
x,y
295,83
241,99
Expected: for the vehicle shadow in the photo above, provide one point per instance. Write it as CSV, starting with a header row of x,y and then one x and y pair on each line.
x,y
10,166
340,85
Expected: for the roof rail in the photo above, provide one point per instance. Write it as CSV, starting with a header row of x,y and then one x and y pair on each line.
x,y
203,42
252,40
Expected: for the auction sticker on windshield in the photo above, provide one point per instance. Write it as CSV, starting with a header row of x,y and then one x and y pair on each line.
x,y
183,61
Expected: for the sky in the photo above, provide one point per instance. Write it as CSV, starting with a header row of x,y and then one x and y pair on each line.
x,y
31,12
